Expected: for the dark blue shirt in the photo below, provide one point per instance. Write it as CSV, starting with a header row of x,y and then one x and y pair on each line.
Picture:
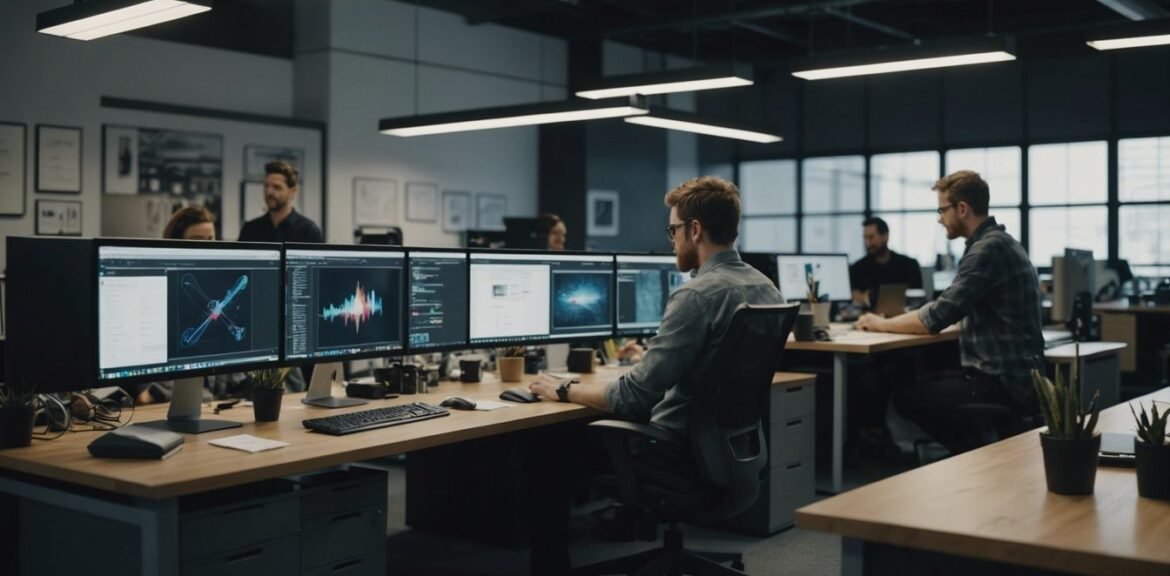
x,y
294,228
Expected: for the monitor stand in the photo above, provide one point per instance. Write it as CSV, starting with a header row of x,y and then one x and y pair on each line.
x,y
186,405
321,388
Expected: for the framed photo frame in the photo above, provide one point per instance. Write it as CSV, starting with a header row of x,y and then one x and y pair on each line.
x,y
252,203
601,213
13,159
119,159
490,210
375,202
58,218
422,201
58,168
257,155
456,211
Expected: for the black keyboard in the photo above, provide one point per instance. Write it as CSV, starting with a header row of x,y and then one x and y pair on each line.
x,y
351,422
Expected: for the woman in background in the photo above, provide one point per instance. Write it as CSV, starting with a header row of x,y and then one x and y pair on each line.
x,y
191,223
552,229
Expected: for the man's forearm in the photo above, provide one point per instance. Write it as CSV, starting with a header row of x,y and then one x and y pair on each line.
x,y
908,323
591,395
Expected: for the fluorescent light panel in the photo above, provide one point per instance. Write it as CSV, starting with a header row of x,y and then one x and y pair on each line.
x,y
100,18
1135,42
509,116
686,122
1131,35
667,81
904,59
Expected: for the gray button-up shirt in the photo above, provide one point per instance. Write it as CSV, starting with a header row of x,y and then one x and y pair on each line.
x,y
997,296
697,315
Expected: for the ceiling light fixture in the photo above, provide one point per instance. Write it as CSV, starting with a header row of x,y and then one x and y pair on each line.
x,y
97,18
1131,35
509,116
666,81
901,59
688,122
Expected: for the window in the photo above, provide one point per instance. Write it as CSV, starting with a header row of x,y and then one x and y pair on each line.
x,y
999,167
834,185
821,234
1076,173
1144,178
1054,229
917,235
768,193
903,181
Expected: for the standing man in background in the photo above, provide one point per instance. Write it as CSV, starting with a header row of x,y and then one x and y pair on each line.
x,y
880,265
282,223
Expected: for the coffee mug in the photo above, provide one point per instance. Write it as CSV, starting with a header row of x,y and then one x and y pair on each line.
x,y
581,360
803,330
469,371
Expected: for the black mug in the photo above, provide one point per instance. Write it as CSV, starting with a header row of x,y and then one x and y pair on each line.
x,y
469,371
580,360
803,330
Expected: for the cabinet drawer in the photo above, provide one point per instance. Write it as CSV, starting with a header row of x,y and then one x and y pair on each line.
x,y
343,535
372,564
789,403
791,486
335,491
274,557
791,441
218,530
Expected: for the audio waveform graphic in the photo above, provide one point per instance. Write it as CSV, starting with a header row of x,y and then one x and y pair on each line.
x,y
357,308
215,309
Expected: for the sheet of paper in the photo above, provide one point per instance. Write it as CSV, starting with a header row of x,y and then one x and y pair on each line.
x,y
248,443
490,405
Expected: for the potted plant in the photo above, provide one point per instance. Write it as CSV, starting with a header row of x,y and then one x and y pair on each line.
x,y
1071,442
1152,452
16,416
816,304
510,363
267,392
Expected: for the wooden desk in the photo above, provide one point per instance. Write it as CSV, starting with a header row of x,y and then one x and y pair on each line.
x,y
1145,328
992,504
864,343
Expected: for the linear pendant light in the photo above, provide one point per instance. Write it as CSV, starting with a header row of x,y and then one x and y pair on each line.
x,y
97,18
1131,35
508,116
688,122
666,81
901,59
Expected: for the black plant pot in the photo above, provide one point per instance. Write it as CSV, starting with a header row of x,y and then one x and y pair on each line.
x,y
1070,464
16,424
266,404
1153,470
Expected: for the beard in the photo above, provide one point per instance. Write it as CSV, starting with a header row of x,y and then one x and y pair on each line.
x,y
275,204
952,232
878,250
687,259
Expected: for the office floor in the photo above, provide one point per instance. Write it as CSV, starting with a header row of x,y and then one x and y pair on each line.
x,y
793,551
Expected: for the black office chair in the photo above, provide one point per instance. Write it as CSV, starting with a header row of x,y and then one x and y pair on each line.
x,y
715,473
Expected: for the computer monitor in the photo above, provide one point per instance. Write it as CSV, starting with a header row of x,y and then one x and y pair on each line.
x,y
437,308
517,298
1072,274
831,271
764,262
342,302
644,283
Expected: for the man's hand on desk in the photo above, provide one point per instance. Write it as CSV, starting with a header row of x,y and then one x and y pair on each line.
x,y
871,323
546,386
908,323
592,395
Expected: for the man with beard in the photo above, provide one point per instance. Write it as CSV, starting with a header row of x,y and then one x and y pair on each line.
x,y
996,297
282,223
881,265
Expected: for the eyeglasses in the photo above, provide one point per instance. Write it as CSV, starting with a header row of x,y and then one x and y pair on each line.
x,y
942,209
670,228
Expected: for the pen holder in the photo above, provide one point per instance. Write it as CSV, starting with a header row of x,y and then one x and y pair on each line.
x,y
581,360
803,330
511,368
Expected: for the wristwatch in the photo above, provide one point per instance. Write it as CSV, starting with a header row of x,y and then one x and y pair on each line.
x,y
563,390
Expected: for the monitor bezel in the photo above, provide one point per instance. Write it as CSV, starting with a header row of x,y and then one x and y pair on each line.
x,y
399,351
98,243
804,298
636,332
466,344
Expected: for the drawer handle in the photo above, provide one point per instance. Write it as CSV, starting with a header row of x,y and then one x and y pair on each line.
x,y
243,556
794,389
347,565
244,509
796,422
346,516
794,466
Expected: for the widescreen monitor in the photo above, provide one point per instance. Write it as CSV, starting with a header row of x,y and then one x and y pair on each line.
x,y
185,309
437,308
342,302
830,271
644,283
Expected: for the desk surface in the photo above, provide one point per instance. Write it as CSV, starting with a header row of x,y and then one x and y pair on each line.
x,y
1123,307
993,503
859,342
199,467
1086,351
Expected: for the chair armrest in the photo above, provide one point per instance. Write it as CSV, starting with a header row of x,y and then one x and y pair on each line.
x,y
635,429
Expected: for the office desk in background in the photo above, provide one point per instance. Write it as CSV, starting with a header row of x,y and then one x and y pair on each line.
x,y
1145,328
856,342
989,511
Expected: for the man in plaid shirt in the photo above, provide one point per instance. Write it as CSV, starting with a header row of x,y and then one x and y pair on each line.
x,y
996,297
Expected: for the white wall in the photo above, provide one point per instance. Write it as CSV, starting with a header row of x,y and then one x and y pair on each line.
x,y
356,65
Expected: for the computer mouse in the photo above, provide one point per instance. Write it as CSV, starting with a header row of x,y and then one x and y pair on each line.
x,y
519,395
458,403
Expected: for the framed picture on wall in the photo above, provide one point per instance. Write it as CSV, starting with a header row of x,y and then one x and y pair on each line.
x,y
13,159
119,160
601,213
490,210
58,218
256,156
252,204
422,201
58,159
456,211
375,202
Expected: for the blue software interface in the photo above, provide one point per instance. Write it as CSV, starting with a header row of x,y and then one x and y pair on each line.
x,y
643,285
164,310
437,287
343,303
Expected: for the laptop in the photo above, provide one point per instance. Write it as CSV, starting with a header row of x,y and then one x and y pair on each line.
x,y
891,300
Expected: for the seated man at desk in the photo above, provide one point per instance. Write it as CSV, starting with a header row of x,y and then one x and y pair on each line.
x,y
880,266
996,297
